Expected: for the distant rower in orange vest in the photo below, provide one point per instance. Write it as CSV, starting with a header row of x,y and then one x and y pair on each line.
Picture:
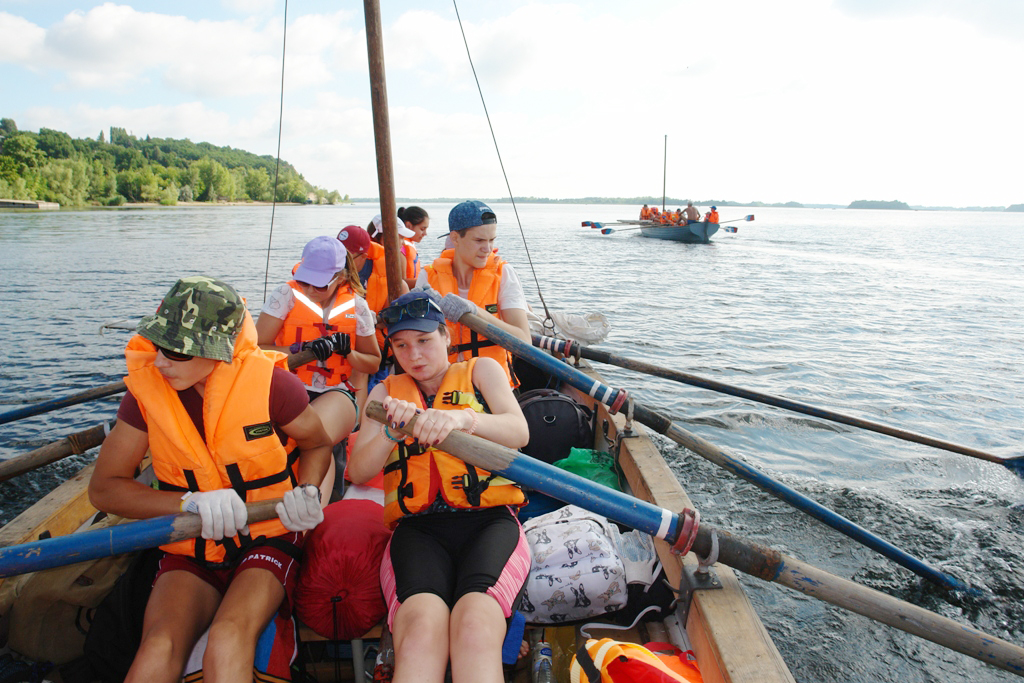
x,y
712,216
645,213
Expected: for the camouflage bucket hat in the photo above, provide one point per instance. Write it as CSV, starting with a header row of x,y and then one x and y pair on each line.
x,y
200,316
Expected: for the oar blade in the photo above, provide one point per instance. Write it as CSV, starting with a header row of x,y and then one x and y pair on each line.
x,y
730,228
607,231
749,218
586,224
1015,465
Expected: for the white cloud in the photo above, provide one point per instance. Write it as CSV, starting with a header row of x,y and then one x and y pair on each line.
x,y
20,40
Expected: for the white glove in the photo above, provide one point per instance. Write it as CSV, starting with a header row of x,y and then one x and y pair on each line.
x,y
222,511
300,509
454,307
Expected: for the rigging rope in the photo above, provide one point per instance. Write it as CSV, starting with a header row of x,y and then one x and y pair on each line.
x,y
547,314
277,165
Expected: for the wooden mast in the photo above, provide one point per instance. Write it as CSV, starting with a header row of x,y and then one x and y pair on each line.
x,y
664,174
382,140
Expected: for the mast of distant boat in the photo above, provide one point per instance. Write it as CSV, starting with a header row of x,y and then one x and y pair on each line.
x,y
664,172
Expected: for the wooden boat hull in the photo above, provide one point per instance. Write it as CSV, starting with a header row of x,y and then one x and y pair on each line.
x,y
694,233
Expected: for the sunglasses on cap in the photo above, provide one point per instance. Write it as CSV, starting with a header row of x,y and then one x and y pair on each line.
x,y
174,355
417,308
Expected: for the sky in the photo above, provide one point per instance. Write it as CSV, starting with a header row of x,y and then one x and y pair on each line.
x,y
814,101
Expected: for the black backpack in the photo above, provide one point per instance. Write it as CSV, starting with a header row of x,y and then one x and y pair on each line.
x,y
116,629
557,424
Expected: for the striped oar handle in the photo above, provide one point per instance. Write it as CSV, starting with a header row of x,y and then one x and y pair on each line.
x,y
564,347
682,530
115,540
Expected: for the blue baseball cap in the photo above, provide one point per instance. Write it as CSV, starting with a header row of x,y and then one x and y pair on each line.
x,y
470,214
409,315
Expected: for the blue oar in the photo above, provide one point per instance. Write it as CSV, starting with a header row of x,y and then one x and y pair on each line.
x,y
54,404
571,348
115,540
684,531
614,398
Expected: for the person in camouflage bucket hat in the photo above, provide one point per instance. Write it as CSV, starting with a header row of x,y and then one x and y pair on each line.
x,y
200,316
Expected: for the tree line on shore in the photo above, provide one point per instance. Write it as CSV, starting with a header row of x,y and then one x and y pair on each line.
x,y
52,166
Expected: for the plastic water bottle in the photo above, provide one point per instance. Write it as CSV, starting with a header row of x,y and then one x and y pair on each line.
x,y
542,662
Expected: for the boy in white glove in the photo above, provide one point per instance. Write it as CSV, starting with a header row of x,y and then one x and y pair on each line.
x,y
224,422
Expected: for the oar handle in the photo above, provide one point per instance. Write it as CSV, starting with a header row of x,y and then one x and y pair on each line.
x,y
746,556
115,540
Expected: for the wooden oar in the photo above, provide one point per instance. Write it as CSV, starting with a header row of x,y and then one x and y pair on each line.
x,y
80,442
115,540
54,404
615,399
72,444
1015,465
751,558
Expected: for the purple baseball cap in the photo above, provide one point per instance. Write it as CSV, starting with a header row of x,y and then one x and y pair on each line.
x,y
322,258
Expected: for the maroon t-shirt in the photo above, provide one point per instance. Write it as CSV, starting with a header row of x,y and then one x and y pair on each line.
x,y
288,399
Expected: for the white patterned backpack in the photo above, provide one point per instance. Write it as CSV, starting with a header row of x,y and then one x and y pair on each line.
x,y
576,572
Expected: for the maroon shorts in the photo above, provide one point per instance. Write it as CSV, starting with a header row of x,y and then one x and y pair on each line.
x,y
272,558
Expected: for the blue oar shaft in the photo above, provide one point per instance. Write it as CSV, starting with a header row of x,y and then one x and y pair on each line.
x,y
57,403
705,449
115,540
752,558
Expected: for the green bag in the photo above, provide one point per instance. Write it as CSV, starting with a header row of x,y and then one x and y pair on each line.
x,y
597,466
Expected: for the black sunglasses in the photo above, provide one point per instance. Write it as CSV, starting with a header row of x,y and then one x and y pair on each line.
x,y
300,283
417,308
174,355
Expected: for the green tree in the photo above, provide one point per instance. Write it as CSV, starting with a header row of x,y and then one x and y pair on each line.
x,y
8,127
23,149
55,144
257,184
65,181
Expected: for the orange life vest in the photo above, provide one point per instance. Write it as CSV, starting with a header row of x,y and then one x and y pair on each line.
x,y
414,476
483,291
712,216
623,662
412,260
645,213
241,450
307,321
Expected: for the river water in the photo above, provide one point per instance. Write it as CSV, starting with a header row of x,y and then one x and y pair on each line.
x,y
908,318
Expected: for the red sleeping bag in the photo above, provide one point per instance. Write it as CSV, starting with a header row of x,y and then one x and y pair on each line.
x,y
338,593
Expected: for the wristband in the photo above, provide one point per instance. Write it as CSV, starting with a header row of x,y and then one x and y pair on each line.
x,y
387,434
184,499
476,419
319,495
295,348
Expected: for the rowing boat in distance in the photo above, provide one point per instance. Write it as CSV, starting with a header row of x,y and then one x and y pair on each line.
x,y
698,232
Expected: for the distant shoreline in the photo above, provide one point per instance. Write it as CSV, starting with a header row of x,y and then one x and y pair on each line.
x,y
1014,208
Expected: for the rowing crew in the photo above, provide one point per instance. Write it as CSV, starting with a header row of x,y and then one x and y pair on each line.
x,y
678,217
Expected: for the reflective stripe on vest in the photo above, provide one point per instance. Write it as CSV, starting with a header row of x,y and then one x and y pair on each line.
x,y
307,321
414,476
